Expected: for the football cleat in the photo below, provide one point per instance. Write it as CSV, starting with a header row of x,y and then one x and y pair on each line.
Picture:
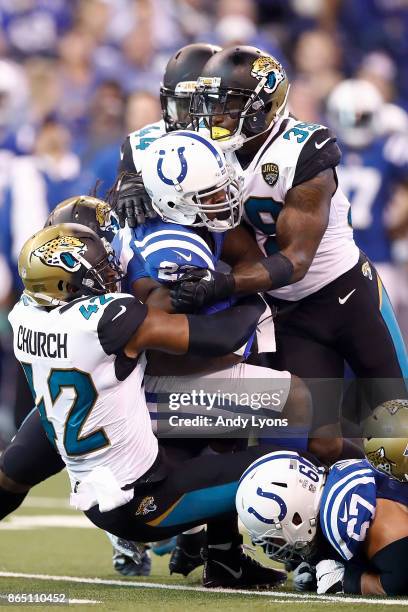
x,y
186,556
227,566
130,558
128,567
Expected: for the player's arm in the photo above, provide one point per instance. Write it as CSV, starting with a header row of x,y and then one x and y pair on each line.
x,y
387,549
299,230
152,293
239,247
207,335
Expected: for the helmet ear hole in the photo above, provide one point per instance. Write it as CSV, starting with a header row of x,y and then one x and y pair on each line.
x,y
297,519
171,204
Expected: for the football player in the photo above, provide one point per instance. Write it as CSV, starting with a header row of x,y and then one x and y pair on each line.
x,y
179,81
372,165
352,522
86,399
331,303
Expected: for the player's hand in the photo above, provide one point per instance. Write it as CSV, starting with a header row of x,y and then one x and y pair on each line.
x,y
304,577
330,576
132,202
200,287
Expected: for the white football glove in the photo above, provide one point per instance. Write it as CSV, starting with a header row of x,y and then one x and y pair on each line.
x,y
329,575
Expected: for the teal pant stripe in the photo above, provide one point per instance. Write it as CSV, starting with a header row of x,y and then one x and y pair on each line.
x,y
203,504
393,327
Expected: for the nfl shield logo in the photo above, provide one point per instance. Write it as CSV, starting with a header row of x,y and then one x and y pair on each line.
x,y
270,173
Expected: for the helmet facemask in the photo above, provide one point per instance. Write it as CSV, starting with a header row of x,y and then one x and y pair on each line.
x,y
175,105
277,548
104,276
252,111
198,211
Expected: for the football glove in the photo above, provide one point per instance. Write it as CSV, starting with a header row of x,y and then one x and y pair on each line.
x,y
200,287
304,577
132,203
329,576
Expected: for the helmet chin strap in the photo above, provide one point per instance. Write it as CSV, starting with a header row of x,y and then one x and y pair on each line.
x,y
51,301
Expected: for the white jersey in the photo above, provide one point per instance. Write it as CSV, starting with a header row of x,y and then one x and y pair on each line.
x,y
137,142
293,153
90,396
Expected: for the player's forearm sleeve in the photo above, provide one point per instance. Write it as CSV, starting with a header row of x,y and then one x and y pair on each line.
x,y
225,331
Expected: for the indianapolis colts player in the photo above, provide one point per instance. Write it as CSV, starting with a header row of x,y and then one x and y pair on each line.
x,y
372,165
352,522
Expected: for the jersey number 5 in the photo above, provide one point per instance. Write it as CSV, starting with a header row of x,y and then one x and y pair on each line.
x,y
78,411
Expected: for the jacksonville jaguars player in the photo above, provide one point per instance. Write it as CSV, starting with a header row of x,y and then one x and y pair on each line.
x,y
179,79
331,303
351,522
372,165
119,477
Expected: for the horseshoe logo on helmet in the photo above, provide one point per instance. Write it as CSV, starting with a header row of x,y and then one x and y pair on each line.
x,y
183,169
283,508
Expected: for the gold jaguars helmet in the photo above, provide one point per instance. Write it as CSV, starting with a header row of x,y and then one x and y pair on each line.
x,y
66,261
386,438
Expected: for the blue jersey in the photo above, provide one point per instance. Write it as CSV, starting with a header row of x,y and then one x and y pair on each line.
x,y
164,251
367,177
349,501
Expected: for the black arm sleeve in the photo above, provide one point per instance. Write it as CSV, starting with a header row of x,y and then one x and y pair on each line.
x,y
226,331
319,153
391,563
126,159
119,322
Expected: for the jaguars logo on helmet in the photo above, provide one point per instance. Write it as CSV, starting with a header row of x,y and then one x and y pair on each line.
x,y
64,252
103,214
266,67
379,460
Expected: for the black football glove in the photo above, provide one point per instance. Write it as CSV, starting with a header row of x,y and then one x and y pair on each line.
x,y
200,287
132,203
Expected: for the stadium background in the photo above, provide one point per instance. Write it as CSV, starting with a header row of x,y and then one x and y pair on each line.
x,y
76,76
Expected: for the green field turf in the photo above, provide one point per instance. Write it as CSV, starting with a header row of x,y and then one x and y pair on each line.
x,y
59,552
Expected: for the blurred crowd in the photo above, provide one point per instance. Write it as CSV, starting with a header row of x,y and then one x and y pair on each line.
x,y
76,76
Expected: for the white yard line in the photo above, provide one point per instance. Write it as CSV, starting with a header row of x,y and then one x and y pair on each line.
x,y
277,595
46,521
83,601
34,501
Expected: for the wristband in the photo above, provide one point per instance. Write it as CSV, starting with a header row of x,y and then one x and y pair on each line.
x,y
280,269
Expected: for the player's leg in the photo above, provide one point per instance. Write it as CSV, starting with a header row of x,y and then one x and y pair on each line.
x,y
321,367
371,340
28,460
200,490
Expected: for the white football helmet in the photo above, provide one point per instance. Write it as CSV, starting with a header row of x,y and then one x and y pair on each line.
x,y
353,110
278,501
190,182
